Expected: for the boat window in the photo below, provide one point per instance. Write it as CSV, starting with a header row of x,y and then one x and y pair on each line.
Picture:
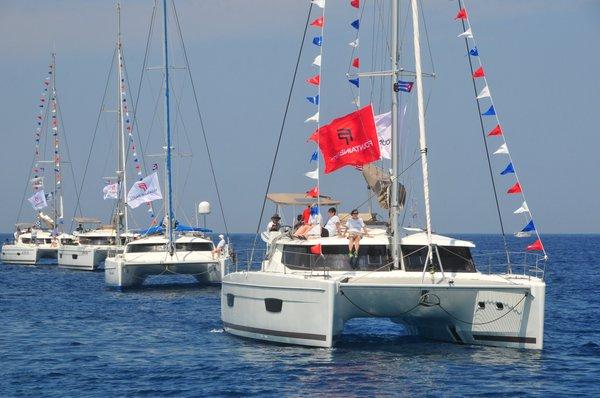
x,y
335,258
96,240
25,240
146,247
194,246
454,258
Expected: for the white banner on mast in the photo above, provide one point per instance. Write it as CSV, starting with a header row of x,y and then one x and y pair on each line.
x,y
38,200
146,190
111,191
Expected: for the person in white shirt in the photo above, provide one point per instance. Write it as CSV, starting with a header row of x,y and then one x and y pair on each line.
x,y
355,228
220,246
274,225
333,224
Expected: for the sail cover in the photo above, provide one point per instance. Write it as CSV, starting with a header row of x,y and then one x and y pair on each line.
x,y
380,183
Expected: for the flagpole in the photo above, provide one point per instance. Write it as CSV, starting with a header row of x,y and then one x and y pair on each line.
x,y
122,215
54,123
394,155
170,217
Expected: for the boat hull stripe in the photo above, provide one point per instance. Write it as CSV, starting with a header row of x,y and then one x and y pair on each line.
x,y
278,333
506,339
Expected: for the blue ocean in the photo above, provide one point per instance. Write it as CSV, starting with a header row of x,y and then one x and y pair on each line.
x,y
62,334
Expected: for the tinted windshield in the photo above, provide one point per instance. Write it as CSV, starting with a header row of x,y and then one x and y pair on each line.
x,y
454,258
335,258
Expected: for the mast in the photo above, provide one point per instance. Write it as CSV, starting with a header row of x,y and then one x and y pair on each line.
x,y
169,209
122,216
394,175
421,115
56,164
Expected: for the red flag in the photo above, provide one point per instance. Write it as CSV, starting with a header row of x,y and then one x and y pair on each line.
x,y
356,62
315,80
479,72
515,188
537,245
462,14
313,192
496,131
355,3
349,140
318,22
316,249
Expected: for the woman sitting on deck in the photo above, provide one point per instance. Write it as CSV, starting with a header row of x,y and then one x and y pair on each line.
x,y
313,227
355,228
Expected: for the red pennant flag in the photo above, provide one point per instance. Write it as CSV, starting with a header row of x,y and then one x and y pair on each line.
x,y
350,140
537,245
316,249
515,188
479,72
355,3
496,131
313,192
356,62
462,14
315,80
318,22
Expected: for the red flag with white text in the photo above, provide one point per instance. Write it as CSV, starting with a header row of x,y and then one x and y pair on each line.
x,y
350,140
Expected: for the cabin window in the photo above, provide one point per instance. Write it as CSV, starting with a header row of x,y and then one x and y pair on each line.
x,y
194,246
454,258
335,258
97,240
26,240
146,248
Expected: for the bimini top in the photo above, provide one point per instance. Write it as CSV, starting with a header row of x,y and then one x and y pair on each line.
x,y
87,220
300,199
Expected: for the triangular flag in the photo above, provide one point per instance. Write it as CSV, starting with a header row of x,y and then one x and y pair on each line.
x,y
355,3
314,157
313,174
496,130
313,100
317,61
313,192
466,34
355,24
315,80
316,249
515,188
319,3
356,82
313,118
485,93
537,245
490,112
523,209
502,150
356,62
356,101
462,14
508,170
529,227
353,43
318,41
318,22
479,72
474,52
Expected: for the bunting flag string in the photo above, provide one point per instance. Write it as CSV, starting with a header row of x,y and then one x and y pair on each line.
x,y
353,78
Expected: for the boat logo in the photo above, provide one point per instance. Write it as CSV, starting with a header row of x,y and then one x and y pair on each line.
x,y
142,185
345,134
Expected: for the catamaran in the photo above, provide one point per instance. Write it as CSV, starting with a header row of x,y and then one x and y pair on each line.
x,y
169,248
307,289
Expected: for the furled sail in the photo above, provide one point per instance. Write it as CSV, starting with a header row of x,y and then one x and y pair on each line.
x,y
380,183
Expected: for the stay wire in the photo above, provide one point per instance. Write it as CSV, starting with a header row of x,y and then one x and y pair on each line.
x,y
287,106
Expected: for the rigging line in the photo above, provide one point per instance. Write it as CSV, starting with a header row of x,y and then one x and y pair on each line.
x,y
212,169
87,162
287,106
25,190
427,37
377,315
487,152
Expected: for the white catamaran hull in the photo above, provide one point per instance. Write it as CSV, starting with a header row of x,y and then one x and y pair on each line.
x,y
85,258
20,254
287,308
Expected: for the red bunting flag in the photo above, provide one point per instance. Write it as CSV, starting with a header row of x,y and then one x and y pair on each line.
x,y
313,192
355,3
496,131
462,14
350,140
479,72
315,80
515,188
356,62
318,22
537,245
316,249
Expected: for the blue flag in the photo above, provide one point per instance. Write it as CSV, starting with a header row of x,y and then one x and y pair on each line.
x,y
355,24
490,112
508,169
313,100
474,52
355,82
314,157
405,86
529,227
318,41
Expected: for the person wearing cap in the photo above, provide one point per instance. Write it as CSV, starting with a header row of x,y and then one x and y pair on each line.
x,y
355,228
220,246
274,223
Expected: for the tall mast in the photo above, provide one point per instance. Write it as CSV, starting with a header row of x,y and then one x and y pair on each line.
x,y
54,125
169,212
421,114
395,204
122,216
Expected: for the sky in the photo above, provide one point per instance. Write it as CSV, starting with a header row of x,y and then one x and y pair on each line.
x,y
540,58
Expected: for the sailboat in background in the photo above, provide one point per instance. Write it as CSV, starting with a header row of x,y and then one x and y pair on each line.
x,y
169,248
306,289
42,239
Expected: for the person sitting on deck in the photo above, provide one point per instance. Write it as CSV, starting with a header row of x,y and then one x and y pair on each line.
x,y
313,227
220,246
306,214
299,222
332,228
355,228
274,224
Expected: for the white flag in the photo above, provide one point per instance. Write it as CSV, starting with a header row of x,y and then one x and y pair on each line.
x,y
38,200
356,101
37,182
485,92
319,3
383,123
313,174
111,191
313,118
522,209
353,43
144,191
502,150
317,61
466,34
